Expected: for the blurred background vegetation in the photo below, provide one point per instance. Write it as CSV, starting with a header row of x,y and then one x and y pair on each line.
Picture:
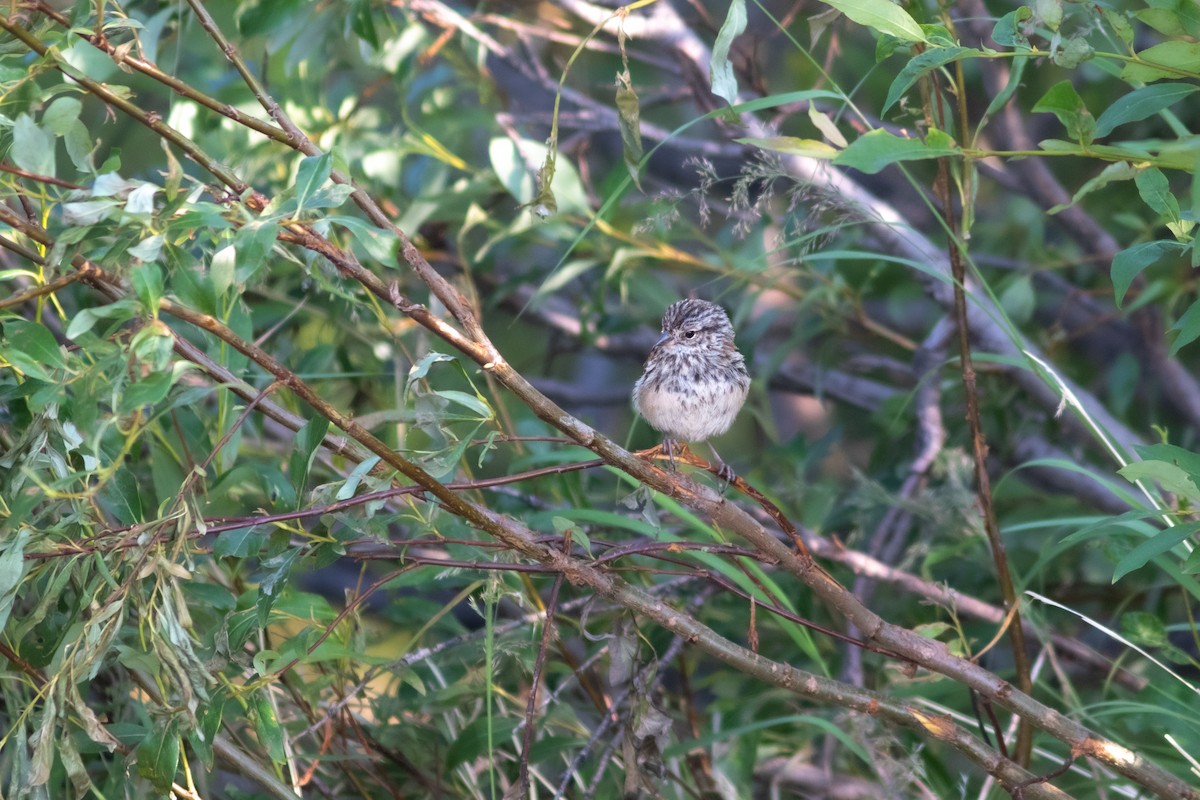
x,y
208,590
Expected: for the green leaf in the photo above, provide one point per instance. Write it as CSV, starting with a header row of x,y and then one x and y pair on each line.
x,y
919,66
1007,31
629,124
1166,60
239,543
421,368
350,486
206,731
147,282
1129,263
873,151
61,115
1156,545
481,409
720,69
158,756
882,15
1117,171
1119,23
1019,300
1188,326
12,569
308,439
1004,95
1181,457
311,176
1073,52
1144,628
810,148
1064,102
31,348
1155,190
1192,565
378,243
1050,12
1171,477
147,391
252,246
32,148
564,275
1142,103
266,725
222,268
1172,18
472,741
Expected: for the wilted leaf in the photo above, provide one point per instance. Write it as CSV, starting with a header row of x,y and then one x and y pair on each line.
x,y
810,148
720,69
629,123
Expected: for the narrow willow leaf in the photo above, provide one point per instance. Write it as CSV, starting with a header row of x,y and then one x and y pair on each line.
x,y
810,148
826,126
1129,263
266,725
13,567
1118,171
1156,545
1155,191
147,280
720,69
1142,103
873,151
1188,327
629,123
921,65
310,176
882,15
1167,60
1004,95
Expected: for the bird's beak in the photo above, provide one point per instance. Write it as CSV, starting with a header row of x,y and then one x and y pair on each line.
x,y
662,339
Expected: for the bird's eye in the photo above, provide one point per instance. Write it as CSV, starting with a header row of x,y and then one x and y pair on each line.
x,y
690,335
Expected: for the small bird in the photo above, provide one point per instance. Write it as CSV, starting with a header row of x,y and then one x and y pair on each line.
x,y
695,380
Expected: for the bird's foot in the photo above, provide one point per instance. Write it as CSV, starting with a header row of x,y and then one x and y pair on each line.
x,y
669,447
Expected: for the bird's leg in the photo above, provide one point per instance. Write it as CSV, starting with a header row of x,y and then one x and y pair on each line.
x,y
668,446
724,471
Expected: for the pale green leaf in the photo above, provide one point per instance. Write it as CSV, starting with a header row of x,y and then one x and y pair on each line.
x,y
873,151
882,15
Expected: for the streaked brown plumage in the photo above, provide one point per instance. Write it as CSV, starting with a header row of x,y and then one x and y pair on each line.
x,y
695,380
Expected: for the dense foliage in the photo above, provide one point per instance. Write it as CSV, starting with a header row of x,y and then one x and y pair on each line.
x,y
312,312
